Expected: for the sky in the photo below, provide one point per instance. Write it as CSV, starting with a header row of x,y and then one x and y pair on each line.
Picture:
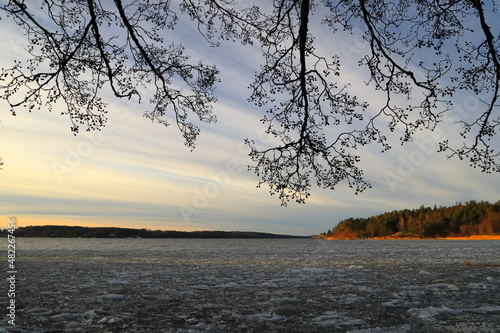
x,y
138,174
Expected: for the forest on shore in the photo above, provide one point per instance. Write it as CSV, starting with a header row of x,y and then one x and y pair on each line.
x,y
115,232
461,220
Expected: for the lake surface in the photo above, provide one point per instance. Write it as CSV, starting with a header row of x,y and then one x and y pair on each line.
x,y
264,285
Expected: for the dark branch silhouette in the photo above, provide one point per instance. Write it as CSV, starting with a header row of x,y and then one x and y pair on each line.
x,y
78,58
420,54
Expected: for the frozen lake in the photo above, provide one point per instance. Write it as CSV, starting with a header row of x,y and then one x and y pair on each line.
x,y
246,285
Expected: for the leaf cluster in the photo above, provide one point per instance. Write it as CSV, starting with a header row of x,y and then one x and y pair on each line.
x,y
420,55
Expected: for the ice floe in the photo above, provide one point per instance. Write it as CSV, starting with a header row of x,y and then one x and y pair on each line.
x,y
300,286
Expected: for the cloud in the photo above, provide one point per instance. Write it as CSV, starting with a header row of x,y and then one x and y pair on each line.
x,y
138,174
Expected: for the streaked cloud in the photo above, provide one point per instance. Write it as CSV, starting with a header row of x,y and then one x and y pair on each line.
x,y
138,174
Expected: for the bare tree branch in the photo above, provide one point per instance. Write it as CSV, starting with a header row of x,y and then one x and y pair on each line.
x,y
420,54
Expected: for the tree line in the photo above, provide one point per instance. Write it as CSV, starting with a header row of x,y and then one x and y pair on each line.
x,y
115,232
470,218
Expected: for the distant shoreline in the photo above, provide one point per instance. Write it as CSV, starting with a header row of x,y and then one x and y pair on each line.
x,y
62,231
473,237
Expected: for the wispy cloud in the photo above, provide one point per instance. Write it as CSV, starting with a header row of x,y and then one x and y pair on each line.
x,y
137,174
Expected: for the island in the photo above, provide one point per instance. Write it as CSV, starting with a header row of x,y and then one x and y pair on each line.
x,y
115,232
471,219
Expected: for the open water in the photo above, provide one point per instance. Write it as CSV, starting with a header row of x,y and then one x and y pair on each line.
x,y
249,285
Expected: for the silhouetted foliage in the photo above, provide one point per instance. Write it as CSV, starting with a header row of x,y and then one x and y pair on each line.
x,y
114,232
471,218
78,48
